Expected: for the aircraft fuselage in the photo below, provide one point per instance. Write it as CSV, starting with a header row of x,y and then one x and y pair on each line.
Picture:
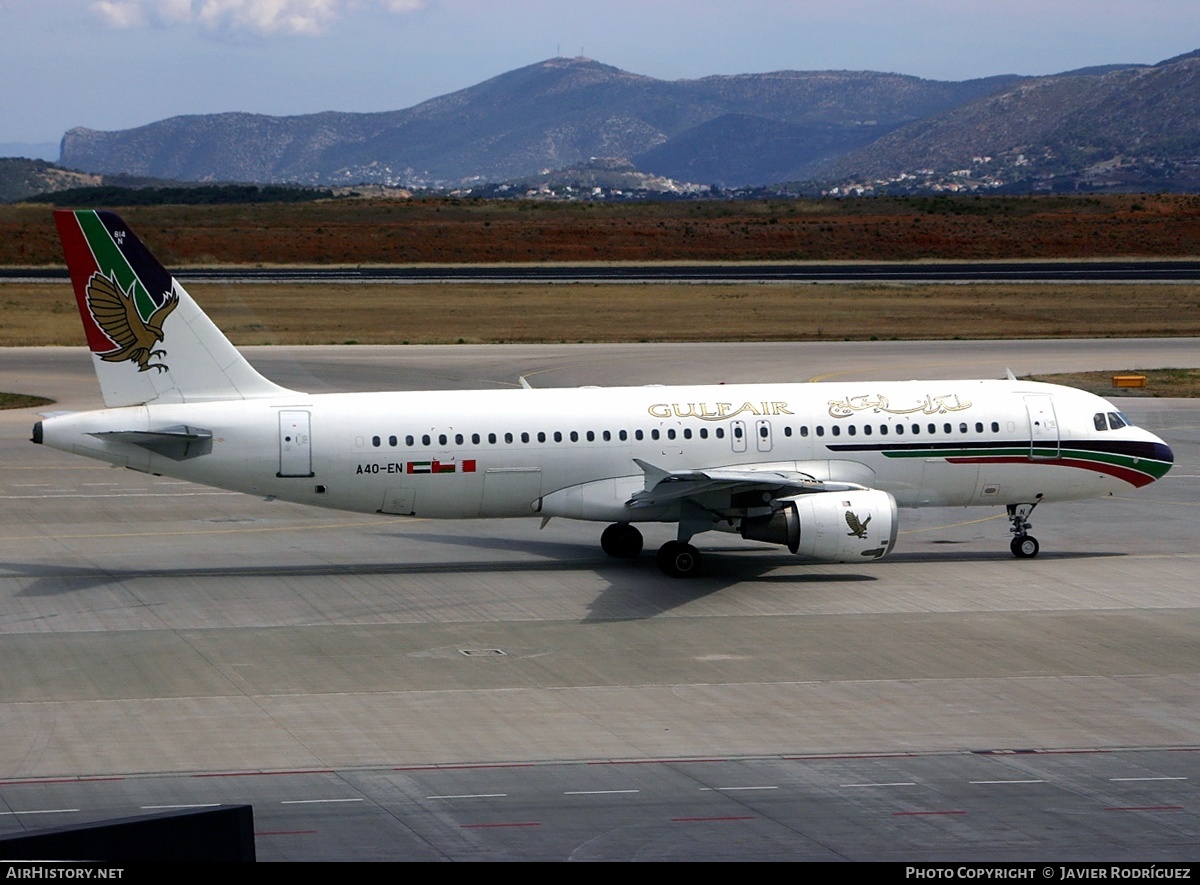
x,y
467,454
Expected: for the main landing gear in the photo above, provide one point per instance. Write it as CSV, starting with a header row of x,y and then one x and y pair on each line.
x,y
1024,545
678,560
621,540
675,558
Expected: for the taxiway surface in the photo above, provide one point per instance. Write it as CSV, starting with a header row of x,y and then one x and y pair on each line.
x,y
389,688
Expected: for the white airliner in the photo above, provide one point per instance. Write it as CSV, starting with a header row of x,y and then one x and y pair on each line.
x,y
819,468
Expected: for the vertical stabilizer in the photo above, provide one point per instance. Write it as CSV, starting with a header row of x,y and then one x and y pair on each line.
x,y
150,341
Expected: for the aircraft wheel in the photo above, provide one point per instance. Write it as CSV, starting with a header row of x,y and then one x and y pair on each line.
x,y
1024,547
621,540
678,560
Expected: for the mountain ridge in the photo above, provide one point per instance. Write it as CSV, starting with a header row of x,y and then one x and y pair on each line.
x,y
552,113
1104,127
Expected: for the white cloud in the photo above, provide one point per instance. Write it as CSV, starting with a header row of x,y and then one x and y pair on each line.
x,y
238,16
120,13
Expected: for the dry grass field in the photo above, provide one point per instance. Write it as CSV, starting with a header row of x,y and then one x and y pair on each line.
x,y
378,231
43,313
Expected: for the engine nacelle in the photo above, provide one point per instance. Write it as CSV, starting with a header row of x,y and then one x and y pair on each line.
x,y
831,526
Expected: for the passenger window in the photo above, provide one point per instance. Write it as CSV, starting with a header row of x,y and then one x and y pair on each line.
x,y
835,430
719,433
883,430
654,434
541,436
622,435
737,432
962,428
425,439
787,431
979,427
492,438
762,432
475,439
687,433
804,430
591,436
574,436
392,441
524,437
375,441
851,430
508,437
607,436
409,441
637,434
441,439
820,430
458,439
995,427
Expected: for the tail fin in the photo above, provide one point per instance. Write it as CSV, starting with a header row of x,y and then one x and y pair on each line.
x,y
150,341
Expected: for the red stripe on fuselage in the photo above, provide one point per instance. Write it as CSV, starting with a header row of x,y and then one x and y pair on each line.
x,y
82,264
1135,478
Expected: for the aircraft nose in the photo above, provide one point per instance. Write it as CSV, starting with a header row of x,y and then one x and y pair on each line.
x,y
1164,453
1160,453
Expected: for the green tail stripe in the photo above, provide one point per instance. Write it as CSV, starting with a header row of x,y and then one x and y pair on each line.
x,y
112,262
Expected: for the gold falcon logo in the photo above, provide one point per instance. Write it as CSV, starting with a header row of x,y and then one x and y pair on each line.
x,y
115,313
857,529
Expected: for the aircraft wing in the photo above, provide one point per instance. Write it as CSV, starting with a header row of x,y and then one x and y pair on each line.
x,y
670,486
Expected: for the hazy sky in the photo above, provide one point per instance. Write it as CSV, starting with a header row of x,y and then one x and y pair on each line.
x,y
114,64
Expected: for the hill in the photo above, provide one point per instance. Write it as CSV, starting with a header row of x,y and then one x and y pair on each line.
x,y
1129,129
548,115
21,178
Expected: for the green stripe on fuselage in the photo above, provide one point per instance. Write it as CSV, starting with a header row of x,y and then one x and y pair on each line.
x,y
112,263
1149,466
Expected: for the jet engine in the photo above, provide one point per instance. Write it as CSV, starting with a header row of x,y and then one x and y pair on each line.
x,y
830,526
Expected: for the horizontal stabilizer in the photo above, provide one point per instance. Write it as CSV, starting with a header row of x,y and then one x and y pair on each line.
x,y
177,443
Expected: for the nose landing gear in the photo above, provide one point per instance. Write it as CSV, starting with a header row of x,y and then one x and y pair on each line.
x,y
1024,545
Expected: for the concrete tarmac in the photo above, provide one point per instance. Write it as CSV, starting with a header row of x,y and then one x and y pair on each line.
x,y
152,631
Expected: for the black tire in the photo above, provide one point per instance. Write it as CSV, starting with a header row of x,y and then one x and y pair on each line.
x,y
621,540
1024,547
678,560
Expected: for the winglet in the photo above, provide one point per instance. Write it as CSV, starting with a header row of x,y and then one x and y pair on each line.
x,y
150,341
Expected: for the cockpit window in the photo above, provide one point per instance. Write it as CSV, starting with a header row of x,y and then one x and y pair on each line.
x,y
1098,420
1117,420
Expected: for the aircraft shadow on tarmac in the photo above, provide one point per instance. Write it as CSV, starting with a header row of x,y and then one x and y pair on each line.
x,y
635,588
